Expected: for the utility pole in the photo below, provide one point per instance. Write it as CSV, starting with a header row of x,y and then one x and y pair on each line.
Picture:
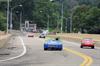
x,y
7,15
48,23
71,21
11,20
62,16
11,23
20,20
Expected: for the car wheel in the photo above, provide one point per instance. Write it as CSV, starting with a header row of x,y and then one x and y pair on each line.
x,y
92,47
39,36
81,46
45,48
60,49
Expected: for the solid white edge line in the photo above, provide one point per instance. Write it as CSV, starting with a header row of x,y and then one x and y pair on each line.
x,y
23,53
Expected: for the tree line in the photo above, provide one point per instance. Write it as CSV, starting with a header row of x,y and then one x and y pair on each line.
x,y
84,14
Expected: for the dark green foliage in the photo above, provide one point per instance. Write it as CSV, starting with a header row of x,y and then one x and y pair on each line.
x,y
2,21
86,19
86,14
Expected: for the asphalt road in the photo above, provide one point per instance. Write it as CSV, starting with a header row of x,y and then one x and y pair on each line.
x,y
36,56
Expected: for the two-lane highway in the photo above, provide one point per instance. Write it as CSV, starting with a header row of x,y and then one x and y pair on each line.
x,y
94,54
36,56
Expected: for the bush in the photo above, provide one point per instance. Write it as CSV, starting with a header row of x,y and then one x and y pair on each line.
x,y
2,22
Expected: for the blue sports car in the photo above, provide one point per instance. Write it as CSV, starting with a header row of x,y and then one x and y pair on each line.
x,y
53,44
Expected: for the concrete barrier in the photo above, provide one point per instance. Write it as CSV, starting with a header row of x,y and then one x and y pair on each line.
x,y
4,39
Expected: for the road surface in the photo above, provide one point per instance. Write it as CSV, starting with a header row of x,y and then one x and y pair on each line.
x,y
15,54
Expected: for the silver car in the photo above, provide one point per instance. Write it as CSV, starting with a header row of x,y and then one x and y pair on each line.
x,y
42,35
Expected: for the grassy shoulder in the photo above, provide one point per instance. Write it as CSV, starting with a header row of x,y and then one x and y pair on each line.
x,y
4,39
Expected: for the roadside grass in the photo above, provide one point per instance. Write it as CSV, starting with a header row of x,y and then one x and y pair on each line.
x,y
75,37
78,36
2,33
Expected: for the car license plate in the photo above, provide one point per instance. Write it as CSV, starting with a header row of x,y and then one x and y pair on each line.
x,y
51,46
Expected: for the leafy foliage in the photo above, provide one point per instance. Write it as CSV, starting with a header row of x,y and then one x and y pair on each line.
x,y
86,19
2,21
85,14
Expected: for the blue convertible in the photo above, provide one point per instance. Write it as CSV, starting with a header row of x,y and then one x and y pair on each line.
x,y
53,44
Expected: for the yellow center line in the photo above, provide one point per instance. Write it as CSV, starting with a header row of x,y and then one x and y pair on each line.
x,y
87,60
90,61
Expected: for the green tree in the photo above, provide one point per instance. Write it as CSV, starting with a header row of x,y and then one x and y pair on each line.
x,y
2,21
86,19
79,17
93,19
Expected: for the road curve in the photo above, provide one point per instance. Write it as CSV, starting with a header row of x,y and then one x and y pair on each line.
x,y
36,56
93,55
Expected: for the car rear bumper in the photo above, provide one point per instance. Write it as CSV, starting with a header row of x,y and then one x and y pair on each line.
x,y
88,45
42,36
53,46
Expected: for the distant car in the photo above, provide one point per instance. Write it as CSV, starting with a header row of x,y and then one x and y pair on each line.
x,y
30,34
53,44
42,35
87,42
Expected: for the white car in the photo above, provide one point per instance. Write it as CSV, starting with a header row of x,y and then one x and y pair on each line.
x,y
42,35
45,32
